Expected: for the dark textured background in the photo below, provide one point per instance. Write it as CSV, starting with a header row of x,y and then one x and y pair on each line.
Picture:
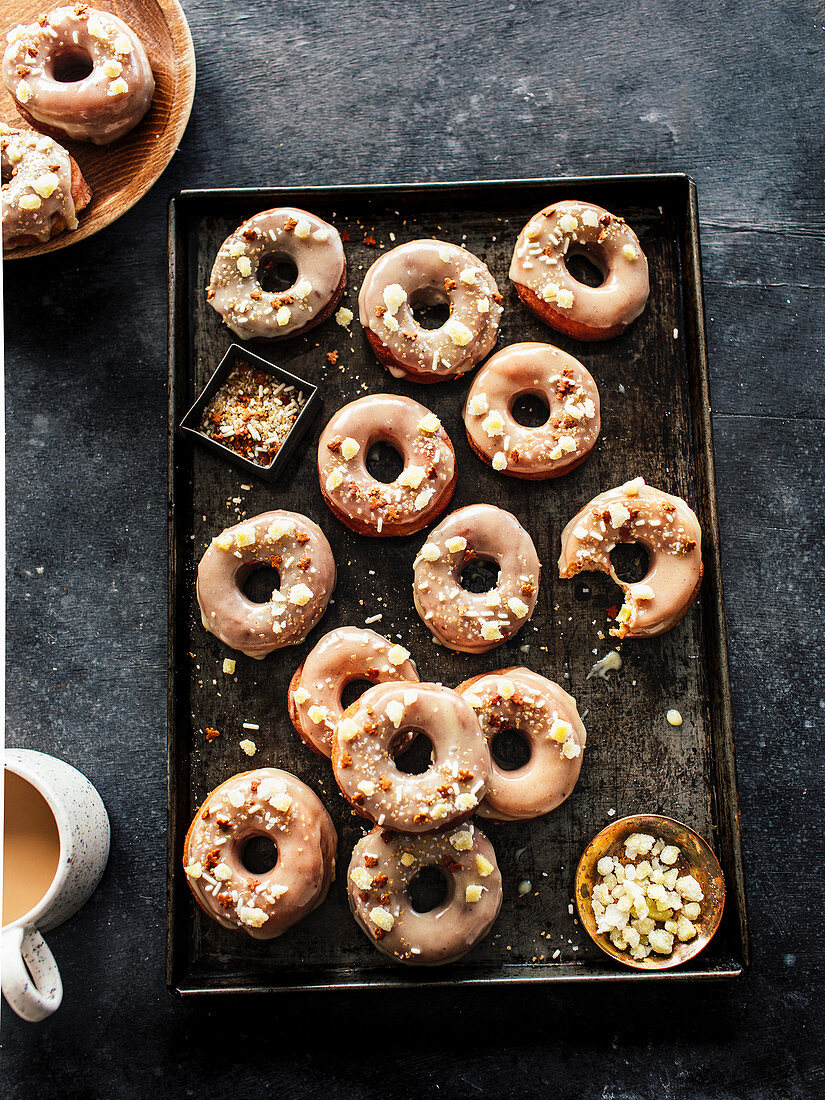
x,y
321,92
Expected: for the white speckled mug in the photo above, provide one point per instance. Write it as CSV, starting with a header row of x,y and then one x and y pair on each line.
x,y
31,980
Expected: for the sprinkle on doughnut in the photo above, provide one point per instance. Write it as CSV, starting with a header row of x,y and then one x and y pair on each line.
x,y
284,233
381,871
100,107
666,526
286,541
474,622
421,491
341,657
429,272
277,805
562,382
544,283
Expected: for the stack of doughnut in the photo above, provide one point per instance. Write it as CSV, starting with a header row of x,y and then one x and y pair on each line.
x,y
74,74
421,820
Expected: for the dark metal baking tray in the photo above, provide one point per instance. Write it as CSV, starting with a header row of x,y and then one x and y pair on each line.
x,y
656,423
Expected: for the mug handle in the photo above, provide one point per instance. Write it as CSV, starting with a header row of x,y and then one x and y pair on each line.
x,y
31,981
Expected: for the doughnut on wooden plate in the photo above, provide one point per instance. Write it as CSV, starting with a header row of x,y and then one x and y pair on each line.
x,y
121,173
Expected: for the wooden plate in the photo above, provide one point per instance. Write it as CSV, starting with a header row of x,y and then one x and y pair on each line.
x,y
121,173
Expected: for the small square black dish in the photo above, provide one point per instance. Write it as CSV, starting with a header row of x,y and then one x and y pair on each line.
x,y
238,359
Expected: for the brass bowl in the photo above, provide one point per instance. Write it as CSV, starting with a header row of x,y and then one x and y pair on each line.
x,y
697,854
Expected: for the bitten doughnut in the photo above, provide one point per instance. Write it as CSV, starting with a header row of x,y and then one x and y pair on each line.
x,y
547,717
384,864
539,270
43,188
290,543
666,527
267,803
339,658
286,234
555,447
371,730
79,73
473,622
421,491
429,272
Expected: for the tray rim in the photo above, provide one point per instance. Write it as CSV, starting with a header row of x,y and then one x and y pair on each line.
x,y
727,808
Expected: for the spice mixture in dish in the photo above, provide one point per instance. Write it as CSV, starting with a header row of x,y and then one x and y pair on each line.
x,y
292,545
647,899
288,235
252,414
341,657
79,73
384,865
669,531
563,384
265,803
545,285
548,719
43,188
374,728
421,491
473,622
426,273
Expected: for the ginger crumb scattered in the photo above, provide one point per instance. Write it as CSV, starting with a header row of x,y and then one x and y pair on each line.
x,y
228,666
249,747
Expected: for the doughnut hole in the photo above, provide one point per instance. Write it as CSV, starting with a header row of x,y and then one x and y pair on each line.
x,y
530,410
384,462
70,65
415,758
479,575
630,561
428,890
259,854
258,580
510,749
277,273
353,690
586,265
430,307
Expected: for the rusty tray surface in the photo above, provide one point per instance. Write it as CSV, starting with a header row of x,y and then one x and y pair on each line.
x,y
653,382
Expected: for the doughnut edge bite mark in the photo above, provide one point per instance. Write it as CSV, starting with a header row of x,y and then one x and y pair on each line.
x,y
539,271
475,622
421,491
429,272
383,865
295,546
101,107
344,655
363,746
272,803
286,233
548,718
552,449
45,190
669,530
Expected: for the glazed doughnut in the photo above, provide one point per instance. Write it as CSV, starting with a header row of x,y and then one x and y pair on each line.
x,y
547,717
539,270
100,107
555,447
268,803
43,188
666,527
421,491
290,543
339,658
429,272
366,738
384,864
285,233
473,622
